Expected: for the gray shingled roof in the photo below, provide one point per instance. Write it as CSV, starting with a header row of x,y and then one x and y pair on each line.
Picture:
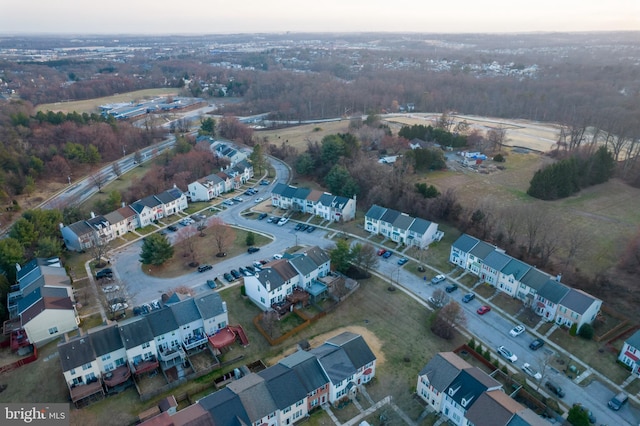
x,y
135,331
496,260
419,226
516,268
255,396
270,277
226,408
634,340
301,193
390,216
317,255
105,339
185,311
81,228
375,212
162,321
482,250
326,199
577,301
553,291
210,305
440,372
308,369
465,243
478,413
469,385
289,191
303,264
403,221
335,362
76,353
279,188
535,279
283,385
356,348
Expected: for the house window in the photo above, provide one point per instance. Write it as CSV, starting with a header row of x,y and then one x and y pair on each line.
x,y
119,362
106,357
299,403
86,366
145,345
73,371
53,330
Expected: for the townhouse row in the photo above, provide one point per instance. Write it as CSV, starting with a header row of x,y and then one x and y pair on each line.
x,y
107,356
278,279
287,391
100,229
41,305
546,295
630,353
310,201
467,396
400,227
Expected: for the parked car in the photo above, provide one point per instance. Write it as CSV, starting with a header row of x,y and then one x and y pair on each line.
x,y
277,256
298,227
283,221
251,250
228,202
204,268
227,276
468,297
238,199
451,288
104,273
507,354
382,251
554,388
311,228
258,200
211,284
438,279
221,254
517,330
119,307
235,273
618,401
527,368
257,265
250,269
272,219
110,288
402,261
387,254
483,309
265,182
536,344
262,216
172,228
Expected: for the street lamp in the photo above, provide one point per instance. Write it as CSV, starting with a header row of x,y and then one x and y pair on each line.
x,y
69,179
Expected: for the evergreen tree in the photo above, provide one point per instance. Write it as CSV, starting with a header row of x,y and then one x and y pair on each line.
x,y
156,249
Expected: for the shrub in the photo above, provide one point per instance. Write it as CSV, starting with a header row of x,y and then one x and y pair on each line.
x,y
487,355
496,363
505,370
243,291
573,329
586,331
472,343
499,158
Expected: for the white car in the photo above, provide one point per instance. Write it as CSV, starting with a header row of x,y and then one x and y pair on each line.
x,y
434,302
531,371
110,288
517,330
119,307
283,221
507,354
258,200
277,256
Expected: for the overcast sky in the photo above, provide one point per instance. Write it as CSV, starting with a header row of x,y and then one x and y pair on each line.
x,y
251,16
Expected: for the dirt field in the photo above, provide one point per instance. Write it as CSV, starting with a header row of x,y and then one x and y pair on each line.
x,y
91,105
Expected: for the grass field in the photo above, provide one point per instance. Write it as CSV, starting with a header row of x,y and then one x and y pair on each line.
x,y
91,105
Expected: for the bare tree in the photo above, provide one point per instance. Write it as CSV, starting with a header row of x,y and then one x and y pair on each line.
x,y
270,322
115,168
497,137
447,319
534,221
99,180
445,121
439,297
100,245
575,242
223,234
549,242
365,256
113,296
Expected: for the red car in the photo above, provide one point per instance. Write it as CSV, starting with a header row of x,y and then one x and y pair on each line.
x,y
483,309
381,252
